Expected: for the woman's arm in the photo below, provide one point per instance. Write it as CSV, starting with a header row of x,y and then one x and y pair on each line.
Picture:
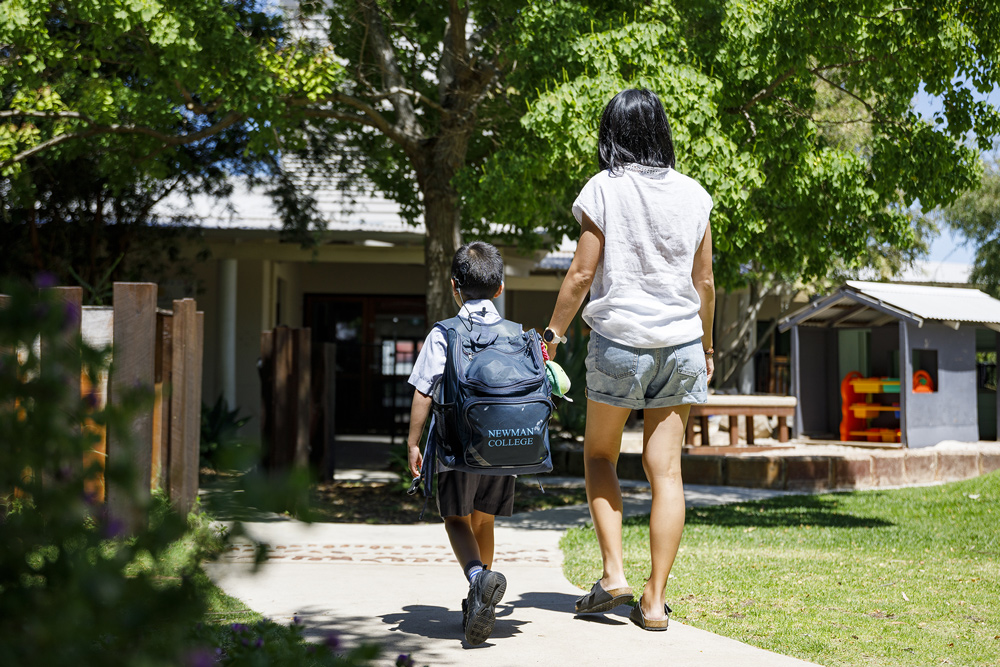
x,y
704,283
577,282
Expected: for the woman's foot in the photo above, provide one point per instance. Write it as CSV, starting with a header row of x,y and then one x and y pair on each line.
x,y
653,607
601,599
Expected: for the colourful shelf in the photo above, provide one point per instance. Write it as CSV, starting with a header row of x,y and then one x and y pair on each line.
x,y
870,410
878,434
855,392
875,385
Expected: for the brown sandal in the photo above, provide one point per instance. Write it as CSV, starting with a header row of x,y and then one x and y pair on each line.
x,y
637,617
599,600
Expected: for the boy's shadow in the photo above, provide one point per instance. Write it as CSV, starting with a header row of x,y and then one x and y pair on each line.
x,y
433,622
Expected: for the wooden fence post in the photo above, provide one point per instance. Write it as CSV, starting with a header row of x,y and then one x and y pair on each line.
x,y
265,369
71,300
329,410
185,407
161,408
300,393
285,396
283,423
132,368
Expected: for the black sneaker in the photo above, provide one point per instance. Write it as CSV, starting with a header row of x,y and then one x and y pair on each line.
x,y
465,613
484,594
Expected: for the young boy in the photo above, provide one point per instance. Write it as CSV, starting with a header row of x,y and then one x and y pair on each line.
x,y
468,502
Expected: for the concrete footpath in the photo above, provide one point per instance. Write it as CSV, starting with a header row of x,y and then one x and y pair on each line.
x,y
400,587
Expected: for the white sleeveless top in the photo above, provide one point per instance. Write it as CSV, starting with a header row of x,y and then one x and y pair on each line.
x,y
653,220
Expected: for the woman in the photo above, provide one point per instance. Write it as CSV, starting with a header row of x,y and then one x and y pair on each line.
x,y
645,255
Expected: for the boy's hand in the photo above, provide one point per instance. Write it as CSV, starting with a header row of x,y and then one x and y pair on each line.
x,y
415,459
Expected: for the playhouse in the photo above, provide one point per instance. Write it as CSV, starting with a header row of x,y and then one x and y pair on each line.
x,y
899,365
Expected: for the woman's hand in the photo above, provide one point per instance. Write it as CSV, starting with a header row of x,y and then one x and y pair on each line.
x,y
710,366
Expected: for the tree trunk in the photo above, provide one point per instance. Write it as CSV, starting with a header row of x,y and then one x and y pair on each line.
x,y
443,238
436,166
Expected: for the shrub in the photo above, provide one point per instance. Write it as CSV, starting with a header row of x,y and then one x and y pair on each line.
x,y
220,444
75,588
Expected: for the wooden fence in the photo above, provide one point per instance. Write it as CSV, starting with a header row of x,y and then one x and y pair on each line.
x,y
286,401
151,348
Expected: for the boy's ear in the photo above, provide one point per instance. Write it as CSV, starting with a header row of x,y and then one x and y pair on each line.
x,y
499,291
453,288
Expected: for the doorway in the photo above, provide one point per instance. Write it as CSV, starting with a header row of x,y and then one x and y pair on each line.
x,y
377,338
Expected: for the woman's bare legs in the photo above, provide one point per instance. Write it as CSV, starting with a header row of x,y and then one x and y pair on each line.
x,y
602,443
663,435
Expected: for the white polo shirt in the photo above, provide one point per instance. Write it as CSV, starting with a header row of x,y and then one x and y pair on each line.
x,y
429,365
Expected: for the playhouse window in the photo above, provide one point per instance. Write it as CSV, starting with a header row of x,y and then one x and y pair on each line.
x,y
925,371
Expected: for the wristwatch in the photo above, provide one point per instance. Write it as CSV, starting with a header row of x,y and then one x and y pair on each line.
x,y
550,336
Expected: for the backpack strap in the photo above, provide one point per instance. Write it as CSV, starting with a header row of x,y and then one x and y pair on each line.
x,y
474,331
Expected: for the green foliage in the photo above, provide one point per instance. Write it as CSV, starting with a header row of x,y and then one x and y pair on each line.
x,y
75,588
107,109
976,215
220,440
66,595
795,116
894,578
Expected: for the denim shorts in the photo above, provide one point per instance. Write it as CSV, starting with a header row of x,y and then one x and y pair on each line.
x,y
638,377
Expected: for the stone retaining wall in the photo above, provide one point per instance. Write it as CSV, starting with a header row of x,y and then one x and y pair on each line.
x,y
798,470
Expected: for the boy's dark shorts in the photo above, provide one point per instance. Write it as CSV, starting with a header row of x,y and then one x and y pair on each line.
x,y
458,493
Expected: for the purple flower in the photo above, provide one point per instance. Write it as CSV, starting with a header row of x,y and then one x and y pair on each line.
x,y
258,643
246,642
238,627
332,641
403,660
45,279
92,399
112,527
199,657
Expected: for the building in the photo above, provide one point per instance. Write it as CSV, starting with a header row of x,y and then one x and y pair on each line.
x,y
900,363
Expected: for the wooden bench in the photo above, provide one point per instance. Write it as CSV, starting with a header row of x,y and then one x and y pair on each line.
x,y
734,406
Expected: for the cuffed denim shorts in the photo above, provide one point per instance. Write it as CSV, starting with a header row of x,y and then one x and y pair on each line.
x,y
638,377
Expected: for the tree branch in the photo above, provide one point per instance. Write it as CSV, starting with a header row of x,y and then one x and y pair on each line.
x,y
194,106
763,93
168,140
415,94
369,116
407,123
865,103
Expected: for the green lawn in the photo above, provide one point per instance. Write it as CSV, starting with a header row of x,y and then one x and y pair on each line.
x,y
900,577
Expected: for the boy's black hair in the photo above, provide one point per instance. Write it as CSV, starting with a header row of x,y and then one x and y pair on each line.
x,y
477,270
634,128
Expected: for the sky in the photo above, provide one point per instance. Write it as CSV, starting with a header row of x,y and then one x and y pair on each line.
x,y
950,247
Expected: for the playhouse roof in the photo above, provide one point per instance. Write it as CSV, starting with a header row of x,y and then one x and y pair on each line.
x,y
865,304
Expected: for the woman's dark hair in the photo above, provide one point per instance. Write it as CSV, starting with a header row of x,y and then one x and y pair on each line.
x,y
477,270
634,128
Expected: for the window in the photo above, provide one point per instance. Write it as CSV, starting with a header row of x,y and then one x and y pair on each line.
x,y
925,371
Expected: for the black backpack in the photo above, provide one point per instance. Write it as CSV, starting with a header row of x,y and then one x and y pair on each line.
x,y
492,404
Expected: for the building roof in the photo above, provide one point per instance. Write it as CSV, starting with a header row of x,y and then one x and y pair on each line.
x,y
864,304
253,209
